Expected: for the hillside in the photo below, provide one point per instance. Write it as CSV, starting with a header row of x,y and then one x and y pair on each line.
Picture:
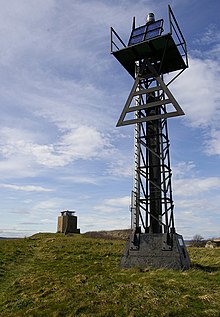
x,y
110,234
55,275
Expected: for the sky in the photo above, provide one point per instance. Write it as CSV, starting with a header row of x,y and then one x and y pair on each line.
x,y
61,94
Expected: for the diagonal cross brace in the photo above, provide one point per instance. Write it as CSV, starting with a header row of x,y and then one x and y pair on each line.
x,y
136,91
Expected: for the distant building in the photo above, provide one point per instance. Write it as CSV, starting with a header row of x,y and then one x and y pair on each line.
x,y
214,243
67,222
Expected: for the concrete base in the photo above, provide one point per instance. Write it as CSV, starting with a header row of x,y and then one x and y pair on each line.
x,y
155,250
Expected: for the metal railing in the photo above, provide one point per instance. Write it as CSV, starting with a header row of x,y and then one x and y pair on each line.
x,y
179,38
115,41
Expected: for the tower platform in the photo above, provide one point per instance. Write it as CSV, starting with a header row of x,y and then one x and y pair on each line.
x,y
162,49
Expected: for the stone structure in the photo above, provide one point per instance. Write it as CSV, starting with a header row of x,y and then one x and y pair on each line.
x,y
214,243
67,222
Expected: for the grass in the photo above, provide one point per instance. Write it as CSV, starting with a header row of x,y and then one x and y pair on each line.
x,y
55,275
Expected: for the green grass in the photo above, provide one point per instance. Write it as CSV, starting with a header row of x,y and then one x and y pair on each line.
x,y
54,275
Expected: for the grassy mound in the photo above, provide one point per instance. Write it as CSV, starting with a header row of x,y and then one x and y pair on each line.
x,y
55,275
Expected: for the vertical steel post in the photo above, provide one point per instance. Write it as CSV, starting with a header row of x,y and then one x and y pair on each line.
x,y
135,208
154,153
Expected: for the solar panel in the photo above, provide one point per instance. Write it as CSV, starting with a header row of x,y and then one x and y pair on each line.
x,y
146,32
155,25
137,35
139,31
137,39
152,34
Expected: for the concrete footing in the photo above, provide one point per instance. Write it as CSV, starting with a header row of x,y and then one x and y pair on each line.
x,y
155,250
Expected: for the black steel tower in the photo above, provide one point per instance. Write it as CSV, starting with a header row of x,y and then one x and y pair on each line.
x,y
148,57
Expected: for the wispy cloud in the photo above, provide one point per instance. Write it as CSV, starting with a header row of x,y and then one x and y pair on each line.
x,y
194,186
120,201
198,92
182,169
26,188
81,143
114,207
212,144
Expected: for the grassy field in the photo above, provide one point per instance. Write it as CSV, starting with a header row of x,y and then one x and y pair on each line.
x,y
55,275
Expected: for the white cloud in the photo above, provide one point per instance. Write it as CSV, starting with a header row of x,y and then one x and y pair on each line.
x,y
48,206
16,232
81,179
194,186
116,207
26,188
196,202
121,167
50,90
17,166
190,224
212,145
183,168
80,143
104,221
197,215
198,92
85,143
209,36
120,201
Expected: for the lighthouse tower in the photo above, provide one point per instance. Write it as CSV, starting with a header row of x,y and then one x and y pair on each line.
x,y
148,56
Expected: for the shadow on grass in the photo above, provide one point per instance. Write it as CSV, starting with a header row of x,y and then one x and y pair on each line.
x,y
205,268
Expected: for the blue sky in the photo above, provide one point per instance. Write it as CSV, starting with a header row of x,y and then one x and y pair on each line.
x,y
61,94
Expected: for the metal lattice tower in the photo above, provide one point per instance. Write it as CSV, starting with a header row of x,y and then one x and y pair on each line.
x,y
152,204
147,57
